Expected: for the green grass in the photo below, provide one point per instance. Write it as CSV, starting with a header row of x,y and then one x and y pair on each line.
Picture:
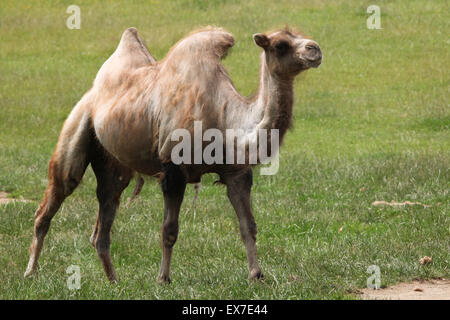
x,y
372,123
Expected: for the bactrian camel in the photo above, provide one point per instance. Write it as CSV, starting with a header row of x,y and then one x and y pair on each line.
x,y
123,125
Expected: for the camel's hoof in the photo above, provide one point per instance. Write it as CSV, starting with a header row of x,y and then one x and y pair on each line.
x,y
112,277
164,279
256,274
29,273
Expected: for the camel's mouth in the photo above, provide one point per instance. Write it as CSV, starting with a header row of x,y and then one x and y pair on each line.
x,y
310,63
314,63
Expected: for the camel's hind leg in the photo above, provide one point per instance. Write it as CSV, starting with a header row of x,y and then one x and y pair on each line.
x,y
63,179
53,198
112,179
66,168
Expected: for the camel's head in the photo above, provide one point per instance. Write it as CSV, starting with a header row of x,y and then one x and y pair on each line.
x,y
288,53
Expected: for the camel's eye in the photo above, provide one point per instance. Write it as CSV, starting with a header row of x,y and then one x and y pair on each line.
x,y
282,47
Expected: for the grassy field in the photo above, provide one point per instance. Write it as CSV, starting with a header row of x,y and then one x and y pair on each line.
x,y
372,123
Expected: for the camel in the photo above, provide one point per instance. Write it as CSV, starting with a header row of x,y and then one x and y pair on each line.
x,y
123,125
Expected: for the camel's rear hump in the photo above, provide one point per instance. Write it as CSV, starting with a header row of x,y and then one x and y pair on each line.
x,y
131,54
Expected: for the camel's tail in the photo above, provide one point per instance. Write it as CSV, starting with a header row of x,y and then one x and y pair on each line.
x,y
137,189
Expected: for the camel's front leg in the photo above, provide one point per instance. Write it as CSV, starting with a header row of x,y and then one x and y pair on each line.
x,y
238,190
173,186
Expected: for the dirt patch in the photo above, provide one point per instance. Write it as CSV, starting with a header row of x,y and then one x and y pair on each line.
x,y
5,199
438,289
399,204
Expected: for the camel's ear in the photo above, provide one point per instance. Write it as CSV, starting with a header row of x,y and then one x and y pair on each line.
x,y
261,40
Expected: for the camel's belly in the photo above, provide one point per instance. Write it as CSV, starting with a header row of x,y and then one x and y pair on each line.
x,y
128,137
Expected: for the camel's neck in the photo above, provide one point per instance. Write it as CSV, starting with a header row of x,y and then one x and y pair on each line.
x,y
274,101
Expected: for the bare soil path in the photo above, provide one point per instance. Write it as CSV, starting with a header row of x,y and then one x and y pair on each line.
x,y
438,289
5,199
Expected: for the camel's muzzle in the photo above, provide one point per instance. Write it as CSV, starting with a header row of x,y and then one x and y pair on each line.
x,y
313,54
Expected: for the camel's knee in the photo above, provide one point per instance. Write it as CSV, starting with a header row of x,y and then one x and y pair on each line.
x,y
249,231
53,198
102,245
69,181
170,234
41,225
252,228
70,184
108,193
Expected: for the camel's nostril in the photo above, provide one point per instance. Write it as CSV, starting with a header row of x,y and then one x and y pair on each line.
x,y
319,54
312,46
312,52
